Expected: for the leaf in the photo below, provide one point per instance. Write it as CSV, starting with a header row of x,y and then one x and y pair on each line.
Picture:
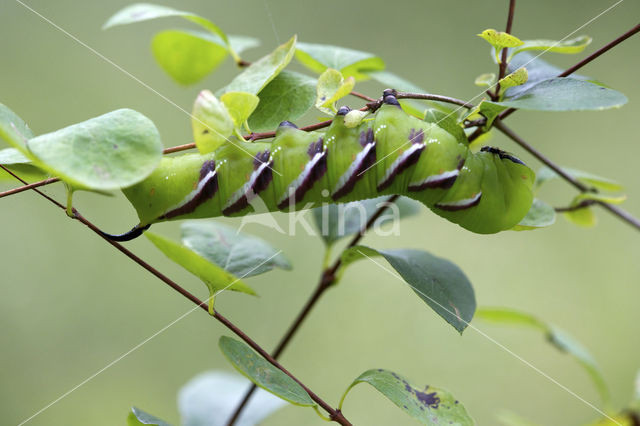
x,y
485,80
332,87
210,399
448,122
215,278
138,417
540,215
262,373
112,151
430,406
256,76
438,282
610,199
139,12
499,40
546,174
13,129
516,78
565,94
354,117
558,338
336,221
351,63
285,98
19,164
13,156
537,70
211,122
582,217
489,110
187,56
571,46
240,105
238,253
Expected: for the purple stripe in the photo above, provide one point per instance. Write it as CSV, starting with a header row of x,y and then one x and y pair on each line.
x,y
457,207
401,166
367,161
209,186
316,172
260,183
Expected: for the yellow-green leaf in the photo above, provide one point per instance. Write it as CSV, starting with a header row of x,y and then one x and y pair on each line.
x,y
332,87
571,46
485,80
516,78
211,122
240,105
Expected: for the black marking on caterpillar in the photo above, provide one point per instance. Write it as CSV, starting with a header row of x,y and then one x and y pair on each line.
x,y
313,171
364,160
206,189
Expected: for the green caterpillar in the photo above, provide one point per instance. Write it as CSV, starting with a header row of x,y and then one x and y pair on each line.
x,y
393,153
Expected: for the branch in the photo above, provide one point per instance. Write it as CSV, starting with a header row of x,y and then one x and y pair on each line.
x,y
502,69
622,214
334,414
29,186
327,279
432,97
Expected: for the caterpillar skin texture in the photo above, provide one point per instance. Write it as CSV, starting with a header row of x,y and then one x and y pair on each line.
x,y
394,153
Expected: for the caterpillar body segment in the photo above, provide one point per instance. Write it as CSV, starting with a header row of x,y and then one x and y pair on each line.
x,y
393,153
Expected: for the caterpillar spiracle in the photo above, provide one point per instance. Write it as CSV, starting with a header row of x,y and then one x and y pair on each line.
x,y
393,153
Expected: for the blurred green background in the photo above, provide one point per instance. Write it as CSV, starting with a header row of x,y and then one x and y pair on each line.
x,y
71,304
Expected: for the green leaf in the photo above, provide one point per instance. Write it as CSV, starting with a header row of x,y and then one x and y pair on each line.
x,y
499,40
19,164
138,417
354,118
240,106
582,217
565,94
516,78
571,46
448,122
332,87
262,373
430,406
215,278
112,151
13,129
211,122
610,199
335,221
187,56
545,174
558,338
485,80
394,81
211,398
540,215
351,63
238,253
13,156
139,12
438,282
256,76
537,70
286,97
487,109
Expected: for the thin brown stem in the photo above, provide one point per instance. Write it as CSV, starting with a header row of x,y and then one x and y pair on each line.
x,y
361,96
502,69
622,214
179,148
432,97
29,186
327,279
334,414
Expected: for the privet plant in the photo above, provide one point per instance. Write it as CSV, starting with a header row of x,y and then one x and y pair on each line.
x,y
249,157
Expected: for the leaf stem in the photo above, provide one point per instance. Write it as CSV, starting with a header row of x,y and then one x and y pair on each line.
x,y
327,279
622,214
334,415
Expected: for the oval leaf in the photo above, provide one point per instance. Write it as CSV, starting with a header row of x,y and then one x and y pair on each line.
x,y
211,399
485,80
112,151
211,122
430,406
262,373
558,338
438,282
215,278
286,97
332,87
13,129
546,174
540,215
571,46
566,94
260,73
351,63
238,253
335,221
516,78
584,217
499,39
187,56
138,417
240,106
